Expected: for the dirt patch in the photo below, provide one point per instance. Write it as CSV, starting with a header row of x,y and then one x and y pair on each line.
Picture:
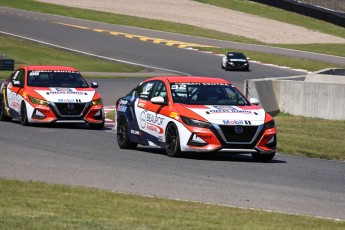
x,y
209,17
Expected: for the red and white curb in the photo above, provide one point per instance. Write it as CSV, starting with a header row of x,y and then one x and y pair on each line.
x,y
109,124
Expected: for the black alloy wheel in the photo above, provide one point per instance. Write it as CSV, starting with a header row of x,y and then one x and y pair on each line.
x,y
172,140
23,116
122,135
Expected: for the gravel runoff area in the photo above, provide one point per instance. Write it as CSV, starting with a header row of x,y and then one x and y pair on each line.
x,y
209,17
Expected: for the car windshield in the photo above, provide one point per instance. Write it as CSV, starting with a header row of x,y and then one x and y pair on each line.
x,y
63,79
207,94
236,56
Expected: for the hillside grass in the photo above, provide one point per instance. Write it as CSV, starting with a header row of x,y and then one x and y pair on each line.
x,y
26,52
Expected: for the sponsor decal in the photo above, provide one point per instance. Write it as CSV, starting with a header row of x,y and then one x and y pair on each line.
x,y
236,122
151,121
122,105
184,85
174,115
37,72
69,100
65,91
135,132
226,109
123,102
141,103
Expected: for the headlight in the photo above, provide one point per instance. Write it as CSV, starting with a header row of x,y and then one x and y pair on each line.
x,y
271,124
38,101
195,123
97,102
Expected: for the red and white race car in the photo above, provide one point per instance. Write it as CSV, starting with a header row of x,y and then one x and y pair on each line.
x,y
50,94
194,114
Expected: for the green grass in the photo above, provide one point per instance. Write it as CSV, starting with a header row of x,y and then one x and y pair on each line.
x,y
239,5
35,205
30,53
311,137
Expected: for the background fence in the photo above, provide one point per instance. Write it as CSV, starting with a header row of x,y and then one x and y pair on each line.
x,y
336,5
331,11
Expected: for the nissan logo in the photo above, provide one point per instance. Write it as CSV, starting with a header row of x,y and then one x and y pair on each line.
x,y
70,106
239,130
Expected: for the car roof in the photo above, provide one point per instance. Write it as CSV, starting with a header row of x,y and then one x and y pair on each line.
x,y
48,67
186,79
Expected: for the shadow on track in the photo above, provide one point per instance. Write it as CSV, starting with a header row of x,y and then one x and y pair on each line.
x,y
214,156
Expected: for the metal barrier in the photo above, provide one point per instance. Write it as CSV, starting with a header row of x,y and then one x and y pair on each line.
x,y
336,5
310,10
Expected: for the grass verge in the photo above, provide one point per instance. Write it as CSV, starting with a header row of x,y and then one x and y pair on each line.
x,y
311,137
31,53
35,205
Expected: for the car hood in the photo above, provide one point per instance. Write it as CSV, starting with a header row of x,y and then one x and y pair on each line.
x,y
66,94
230,115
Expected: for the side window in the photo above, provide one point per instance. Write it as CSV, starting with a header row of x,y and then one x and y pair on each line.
x,y
145,90
161,90
19,76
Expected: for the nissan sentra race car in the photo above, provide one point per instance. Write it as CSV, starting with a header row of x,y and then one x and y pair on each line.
x,y
50,94
194,114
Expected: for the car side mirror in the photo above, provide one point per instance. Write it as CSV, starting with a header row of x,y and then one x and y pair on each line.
x,y
94,85
158,100
17,84
254,101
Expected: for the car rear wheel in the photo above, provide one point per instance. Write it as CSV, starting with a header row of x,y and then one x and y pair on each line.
x,y
3,116
122,135
172,141
263,157
23,116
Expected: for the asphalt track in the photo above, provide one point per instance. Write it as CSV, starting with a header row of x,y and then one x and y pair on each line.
x,y
75,155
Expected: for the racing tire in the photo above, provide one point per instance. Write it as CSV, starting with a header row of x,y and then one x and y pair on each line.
x,y
122,135
222,66
97,126
172,141
263,157
23,116
226,67
3,116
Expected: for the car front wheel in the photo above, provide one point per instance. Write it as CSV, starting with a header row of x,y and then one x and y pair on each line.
x,y
172,141
23,116
122,135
